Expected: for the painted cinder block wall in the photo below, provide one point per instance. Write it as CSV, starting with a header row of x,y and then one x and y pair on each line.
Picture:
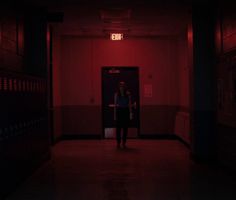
x,y
78,64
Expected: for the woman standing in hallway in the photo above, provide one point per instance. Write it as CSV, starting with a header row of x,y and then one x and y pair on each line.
x,y
123,113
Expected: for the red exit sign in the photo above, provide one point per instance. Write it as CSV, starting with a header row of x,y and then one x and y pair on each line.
x,y
116,36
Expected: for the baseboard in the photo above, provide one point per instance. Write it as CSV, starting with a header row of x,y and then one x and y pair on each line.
x,y
80,137
142,136
159,136
183,141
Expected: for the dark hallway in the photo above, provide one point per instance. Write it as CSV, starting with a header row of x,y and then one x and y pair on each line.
x,y
146,170
76,76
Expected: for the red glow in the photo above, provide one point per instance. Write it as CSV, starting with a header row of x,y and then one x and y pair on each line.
x,y
116,36
190,34
95,53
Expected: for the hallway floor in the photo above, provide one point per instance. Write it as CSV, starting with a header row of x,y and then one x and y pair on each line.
x,y
146,170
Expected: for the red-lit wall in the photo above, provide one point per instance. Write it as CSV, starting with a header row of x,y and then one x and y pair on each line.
x,y
160,63
82,59
183,73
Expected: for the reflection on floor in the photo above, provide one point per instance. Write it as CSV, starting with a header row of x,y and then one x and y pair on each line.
x,y
146,170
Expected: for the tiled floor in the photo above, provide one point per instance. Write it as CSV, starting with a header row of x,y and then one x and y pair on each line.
x,y
146,170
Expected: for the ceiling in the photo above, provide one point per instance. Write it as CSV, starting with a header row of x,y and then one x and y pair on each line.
x,y
133,18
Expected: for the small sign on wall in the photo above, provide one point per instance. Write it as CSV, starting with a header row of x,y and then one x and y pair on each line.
x,y
148,90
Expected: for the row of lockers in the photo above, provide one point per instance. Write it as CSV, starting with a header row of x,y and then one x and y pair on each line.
x,y
21,97
9,84
21,128
23,104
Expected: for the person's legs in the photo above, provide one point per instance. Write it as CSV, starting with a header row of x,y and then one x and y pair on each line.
x,y
118,135
125,132
122,123
125,126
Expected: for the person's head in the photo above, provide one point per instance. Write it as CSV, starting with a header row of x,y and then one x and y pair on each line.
x,y
121,87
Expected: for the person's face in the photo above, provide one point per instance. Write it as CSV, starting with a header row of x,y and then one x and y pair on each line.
x,y
122,86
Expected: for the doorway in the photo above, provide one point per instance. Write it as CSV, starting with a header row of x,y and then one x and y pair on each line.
x,y
111,76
